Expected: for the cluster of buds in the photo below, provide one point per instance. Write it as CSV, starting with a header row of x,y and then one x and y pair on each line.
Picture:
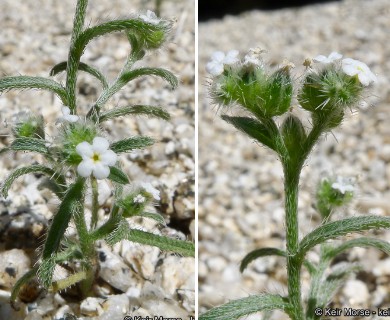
x,y
326,91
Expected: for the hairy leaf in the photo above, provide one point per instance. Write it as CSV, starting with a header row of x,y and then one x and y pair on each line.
x,y
27,82
53,186
21,171
363,242
132,74
70,206
246,306
151,111
155,216
253,128
131,144
60,67
253,255
339,228
124,232
46,270
118,176
145,30
29,144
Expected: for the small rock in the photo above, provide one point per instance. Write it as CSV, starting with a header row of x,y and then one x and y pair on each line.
x,y
350,290
91,307
116,307
13,264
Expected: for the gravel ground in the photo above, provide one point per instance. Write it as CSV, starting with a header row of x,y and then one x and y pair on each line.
x,y
134,279
240,183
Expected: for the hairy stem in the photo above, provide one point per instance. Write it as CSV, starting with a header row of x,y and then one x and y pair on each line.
x,y
292,232
73,60
95,203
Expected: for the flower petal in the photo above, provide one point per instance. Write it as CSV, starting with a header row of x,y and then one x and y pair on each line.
x,y
335,56
71,118
85,168
100,144
364,80
65,111
84,149
321,58
214,68
218,56
108,158
101,171
231,57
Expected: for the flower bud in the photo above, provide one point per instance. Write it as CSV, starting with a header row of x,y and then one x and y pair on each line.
x,y
29,126
333,193
330,89
71,136
294,136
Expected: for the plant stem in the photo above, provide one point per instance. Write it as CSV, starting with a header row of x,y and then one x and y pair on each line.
x,y
88,250
292,231
73,61
95,203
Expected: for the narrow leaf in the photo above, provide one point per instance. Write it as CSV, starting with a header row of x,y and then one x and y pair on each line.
x,y
29,144
246,306
131,144
68,207
150,111
155,216
60,67
363,242
21,171
123,232
132,74
253,128
253,255
118,176
134,25
342,227
53,186
46,270
27,82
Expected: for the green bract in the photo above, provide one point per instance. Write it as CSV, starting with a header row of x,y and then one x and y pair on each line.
x,y
80,149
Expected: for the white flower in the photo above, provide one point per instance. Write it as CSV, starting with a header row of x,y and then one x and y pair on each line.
x,y
66,116
218,59
343,185
355,67
253,58
151,190
150,17
139,199
329,59
96,158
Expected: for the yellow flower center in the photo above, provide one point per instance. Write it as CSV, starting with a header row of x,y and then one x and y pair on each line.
x,y
96,157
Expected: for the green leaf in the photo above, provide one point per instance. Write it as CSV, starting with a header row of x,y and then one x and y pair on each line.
x,y
323,289
363,242
253,255
146,31
118,176
124,232
132,74
253,128
150,111
27,82
29,144
339,228
70,206
129,144
155,216
19,284
46,270
22,171
60,67
246,306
